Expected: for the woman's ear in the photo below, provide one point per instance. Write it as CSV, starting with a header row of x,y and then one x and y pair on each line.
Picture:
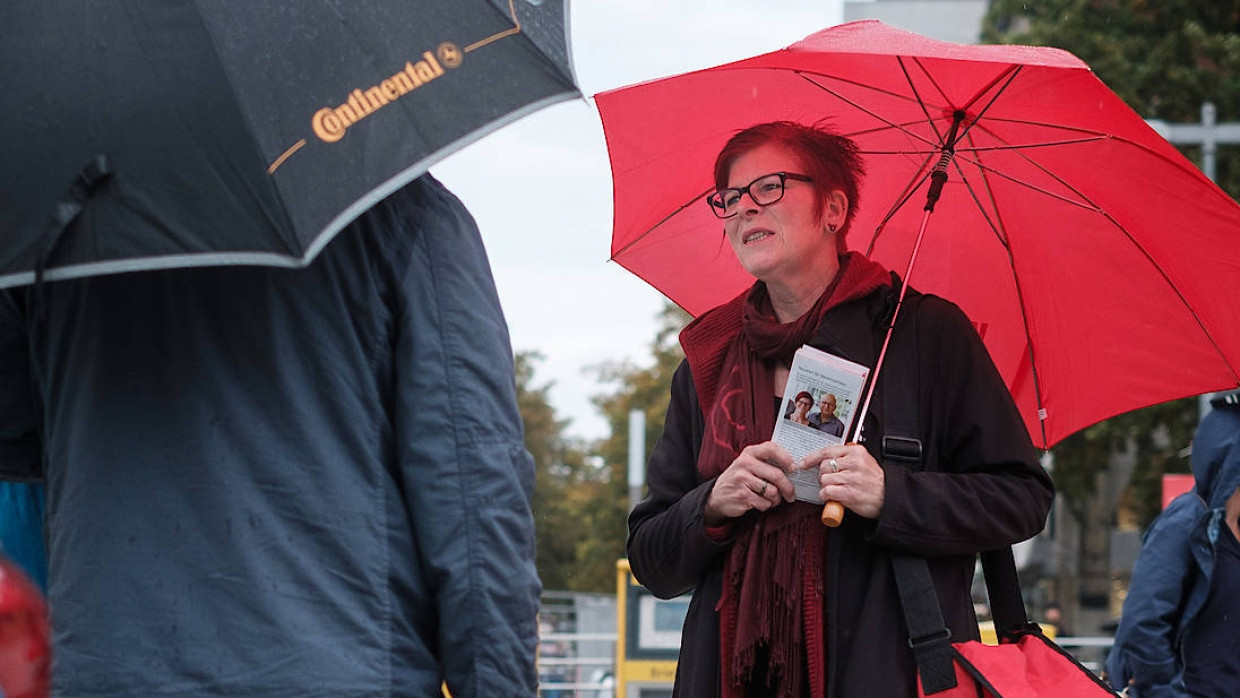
x,y
835,210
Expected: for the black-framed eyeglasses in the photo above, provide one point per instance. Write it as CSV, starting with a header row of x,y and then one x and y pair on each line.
x,y
764,191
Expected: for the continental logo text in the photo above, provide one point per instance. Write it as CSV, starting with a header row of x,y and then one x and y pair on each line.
x,y
331,123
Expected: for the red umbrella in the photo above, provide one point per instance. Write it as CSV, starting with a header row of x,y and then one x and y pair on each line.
x,y
1100,266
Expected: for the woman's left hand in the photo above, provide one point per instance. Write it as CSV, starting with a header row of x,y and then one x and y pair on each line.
x,y
849,475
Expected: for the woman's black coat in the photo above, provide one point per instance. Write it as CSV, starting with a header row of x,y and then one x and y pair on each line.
x,y
979,487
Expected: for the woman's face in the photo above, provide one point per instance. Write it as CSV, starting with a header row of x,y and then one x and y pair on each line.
x,y
803,406
776,241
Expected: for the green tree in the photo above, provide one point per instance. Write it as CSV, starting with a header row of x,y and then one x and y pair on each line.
x,y
560,468
1163,57
1157,435
606,499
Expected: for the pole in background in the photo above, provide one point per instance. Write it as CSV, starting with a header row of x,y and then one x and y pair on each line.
x,y
637,456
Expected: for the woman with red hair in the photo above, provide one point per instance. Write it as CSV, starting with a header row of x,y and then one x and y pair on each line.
x,y
783,606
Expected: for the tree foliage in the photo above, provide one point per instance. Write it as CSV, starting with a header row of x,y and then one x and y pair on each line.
x,y
1164,58
581,497
1156,435
635,387
560,471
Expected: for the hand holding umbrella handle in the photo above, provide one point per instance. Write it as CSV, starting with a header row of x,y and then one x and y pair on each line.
x,y
833,511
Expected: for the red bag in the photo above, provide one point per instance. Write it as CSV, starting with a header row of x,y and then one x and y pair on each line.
x,y
1025,664
1032,666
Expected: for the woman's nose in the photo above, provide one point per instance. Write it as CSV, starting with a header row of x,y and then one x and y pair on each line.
x,y
746,204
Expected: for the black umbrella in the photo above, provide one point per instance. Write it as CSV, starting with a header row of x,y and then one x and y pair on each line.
x,y
144,135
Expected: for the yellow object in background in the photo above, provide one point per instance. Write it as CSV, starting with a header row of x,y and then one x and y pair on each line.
x,y
647,638
989,637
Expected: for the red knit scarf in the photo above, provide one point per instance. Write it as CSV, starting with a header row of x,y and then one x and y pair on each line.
x,y
776,558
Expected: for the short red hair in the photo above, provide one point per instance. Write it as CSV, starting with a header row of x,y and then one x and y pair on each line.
x,y
832,160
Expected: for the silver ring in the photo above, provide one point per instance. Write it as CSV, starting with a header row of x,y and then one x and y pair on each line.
x,y
763,490
835,465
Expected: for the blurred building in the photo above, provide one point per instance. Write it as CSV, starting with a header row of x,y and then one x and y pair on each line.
x,y
959,21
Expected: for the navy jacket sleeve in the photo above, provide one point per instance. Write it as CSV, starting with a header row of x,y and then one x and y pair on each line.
x,y
467,477
1146,643
20,455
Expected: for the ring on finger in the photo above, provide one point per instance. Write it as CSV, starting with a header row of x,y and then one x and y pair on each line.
x,y
762,490
835,465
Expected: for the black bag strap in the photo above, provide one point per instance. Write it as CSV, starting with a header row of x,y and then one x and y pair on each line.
x,y
929,637
1007,607
900,379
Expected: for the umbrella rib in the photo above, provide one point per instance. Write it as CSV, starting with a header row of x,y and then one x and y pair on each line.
x,y
806,75
1088,136
1010,75
984,148
921,102
1085,203
961,150
1030,146
1006,77
995,221
1088,204
1019,150
911,188
516,29
658,223
1000,231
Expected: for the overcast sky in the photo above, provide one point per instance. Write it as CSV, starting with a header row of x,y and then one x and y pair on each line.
x,y
541,188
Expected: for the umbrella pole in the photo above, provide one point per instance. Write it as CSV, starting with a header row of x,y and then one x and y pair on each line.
x,y
938,177
833,512
857,436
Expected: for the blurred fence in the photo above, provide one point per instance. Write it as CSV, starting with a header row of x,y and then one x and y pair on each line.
x,y
577,646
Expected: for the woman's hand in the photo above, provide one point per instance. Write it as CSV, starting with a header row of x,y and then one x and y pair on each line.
x,y
757,479
849,475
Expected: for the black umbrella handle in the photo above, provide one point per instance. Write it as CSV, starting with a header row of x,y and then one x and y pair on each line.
x,y
938,176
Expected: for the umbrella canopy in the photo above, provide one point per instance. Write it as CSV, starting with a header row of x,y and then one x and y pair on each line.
x,y
1099,265
243,131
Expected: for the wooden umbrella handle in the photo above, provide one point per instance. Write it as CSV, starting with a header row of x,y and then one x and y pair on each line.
x,y
832,514
832,511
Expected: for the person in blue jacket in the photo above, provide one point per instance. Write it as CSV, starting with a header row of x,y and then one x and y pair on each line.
x,y
1179,634
282,482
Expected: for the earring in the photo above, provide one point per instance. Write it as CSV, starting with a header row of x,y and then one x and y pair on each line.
x,y
831,227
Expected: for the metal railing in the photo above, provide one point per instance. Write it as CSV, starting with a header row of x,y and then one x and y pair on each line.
x,y
564,673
